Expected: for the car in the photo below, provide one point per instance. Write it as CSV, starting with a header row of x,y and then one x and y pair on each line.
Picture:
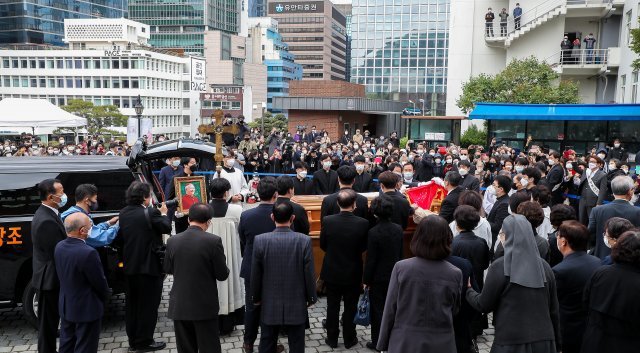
x,y
411,111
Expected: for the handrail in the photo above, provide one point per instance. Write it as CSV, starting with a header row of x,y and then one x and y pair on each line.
x,y
579,57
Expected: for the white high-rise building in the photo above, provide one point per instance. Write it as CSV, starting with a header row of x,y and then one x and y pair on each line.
x,y
108,61
604,73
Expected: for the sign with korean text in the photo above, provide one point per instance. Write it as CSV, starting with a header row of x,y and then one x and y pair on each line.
x,y
198,74
296,7
10,236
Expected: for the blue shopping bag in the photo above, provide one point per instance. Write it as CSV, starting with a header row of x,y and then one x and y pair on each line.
x,y
363,317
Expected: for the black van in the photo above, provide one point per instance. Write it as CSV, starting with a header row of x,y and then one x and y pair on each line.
x,y
19,200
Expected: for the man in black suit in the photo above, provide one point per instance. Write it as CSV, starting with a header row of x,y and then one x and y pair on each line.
x,y
468,181
254,222
83,287
325,180
346,177
555,178
141,229
196,259
301,184
622,188
592,188
283,281
500,210
401,207
363,181
572,275
343,238
285,192
452,183
46,231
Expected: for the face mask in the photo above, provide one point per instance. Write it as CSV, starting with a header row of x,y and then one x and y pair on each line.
x,y
606,241
616,145
612,167
326,165
421,152
592,166
359,167
625,170
552,162
438,161
463,172
449,161
61,142
302,174
464,158
454,152
432,154
231,162
176,163
524,182
63,201
519,169
356,147
93,206
601,155
569,166
491,190
408,175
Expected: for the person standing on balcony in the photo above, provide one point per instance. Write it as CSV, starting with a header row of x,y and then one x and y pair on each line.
x,y
517,15
576,52
488,19
566,47
590,45
503,22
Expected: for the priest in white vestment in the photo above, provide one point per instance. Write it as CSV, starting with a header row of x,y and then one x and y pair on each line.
x,y
239,187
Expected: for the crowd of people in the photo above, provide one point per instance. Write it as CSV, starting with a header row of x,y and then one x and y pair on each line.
x,y
545,240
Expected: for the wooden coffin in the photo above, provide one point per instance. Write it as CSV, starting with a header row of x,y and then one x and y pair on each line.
x,y
313,203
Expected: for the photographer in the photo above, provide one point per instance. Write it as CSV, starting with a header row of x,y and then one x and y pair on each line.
x,y
141,229
274,140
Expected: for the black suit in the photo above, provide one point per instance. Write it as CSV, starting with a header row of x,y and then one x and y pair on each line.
x,y
143,270
284,284
302,187
499,212
401,209
572,275
555,178
47,230
470,182
600,215
364,183
325,183
301,222
83,291
450,204
196,259
343,237
330,206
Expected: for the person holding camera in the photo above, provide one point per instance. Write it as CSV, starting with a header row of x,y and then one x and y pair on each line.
x,y
141,230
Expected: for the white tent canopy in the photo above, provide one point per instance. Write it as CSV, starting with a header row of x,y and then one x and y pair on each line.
x,y
19,113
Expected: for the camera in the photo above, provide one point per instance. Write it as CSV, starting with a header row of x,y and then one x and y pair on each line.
x,y
169,203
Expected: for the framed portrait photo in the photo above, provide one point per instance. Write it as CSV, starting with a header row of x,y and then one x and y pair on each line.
x,y
189,191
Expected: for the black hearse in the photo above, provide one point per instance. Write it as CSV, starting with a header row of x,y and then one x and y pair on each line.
x,y
112,175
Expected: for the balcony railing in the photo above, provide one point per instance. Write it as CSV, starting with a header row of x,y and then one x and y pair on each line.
x,y
579,57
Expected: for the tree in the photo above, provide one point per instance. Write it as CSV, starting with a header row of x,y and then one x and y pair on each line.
x,y
522,81
635,46
98,117
278,121
473,136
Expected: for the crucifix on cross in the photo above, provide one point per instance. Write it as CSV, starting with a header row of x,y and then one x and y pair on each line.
x,y
219,129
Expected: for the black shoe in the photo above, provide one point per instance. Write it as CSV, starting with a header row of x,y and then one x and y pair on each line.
x,y
324,323
331,344
155,346
348,345
372,346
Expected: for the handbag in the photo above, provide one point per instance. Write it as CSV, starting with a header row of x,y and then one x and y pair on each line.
x,y
363,316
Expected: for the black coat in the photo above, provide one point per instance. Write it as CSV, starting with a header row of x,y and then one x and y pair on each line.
x,y
139,242
253,222
611,298
302,187
556,177
498,213
330,207
384,249
83,286
450,204
343,238
572,275
196,260
47,230
325,183
301,222
475,249
401,209
424,167
600,214
470,182
364,183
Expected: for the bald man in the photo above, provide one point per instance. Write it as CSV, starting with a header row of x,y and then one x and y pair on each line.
x,y
83,288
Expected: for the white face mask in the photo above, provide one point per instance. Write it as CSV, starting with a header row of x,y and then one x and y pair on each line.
x,y
463,171
601,155
302,174
231,162
524,182
421,152
464,158
519,168
593,166
552,162
449,161
616,145
359,167
569,166
176,163
612,167
407,175
491,190
606,241
326,165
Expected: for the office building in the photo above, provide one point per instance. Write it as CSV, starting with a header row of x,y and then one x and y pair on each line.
x,y
257,8
38,22
264,45
181,25
346,7
107,62
316,34
604,73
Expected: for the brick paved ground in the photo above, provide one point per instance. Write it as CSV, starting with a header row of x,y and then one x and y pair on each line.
x,y
18,336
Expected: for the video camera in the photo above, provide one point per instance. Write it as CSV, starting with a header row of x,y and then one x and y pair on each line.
x,y
169,203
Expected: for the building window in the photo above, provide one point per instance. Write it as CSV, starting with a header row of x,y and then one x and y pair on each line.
x,y
623,87
628,26
634,87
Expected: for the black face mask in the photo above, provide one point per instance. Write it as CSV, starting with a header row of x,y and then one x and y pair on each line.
x,y
94,206
246,139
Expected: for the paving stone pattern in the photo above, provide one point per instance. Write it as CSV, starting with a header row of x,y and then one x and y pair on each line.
x,y
16,335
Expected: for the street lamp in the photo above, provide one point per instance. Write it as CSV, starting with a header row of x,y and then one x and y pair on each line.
x,y
139,108
264,107
414,106
422,101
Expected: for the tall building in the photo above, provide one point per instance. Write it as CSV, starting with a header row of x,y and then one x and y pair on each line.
x,y
181,24
40,22
316,34
107,62
257,8
265,45
604,73
346,7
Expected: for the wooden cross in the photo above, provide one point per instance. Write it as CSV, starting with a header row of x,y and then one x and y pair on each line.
x,y
218,130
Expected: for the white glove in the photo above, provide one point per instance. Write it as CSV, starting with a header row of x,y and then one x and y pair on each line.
x,y
438,181
179,214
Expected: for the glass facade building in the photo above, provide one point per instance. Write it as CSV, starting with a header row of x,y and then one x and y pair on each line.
x,y
399,50
180,24
257,8
42,21
280,69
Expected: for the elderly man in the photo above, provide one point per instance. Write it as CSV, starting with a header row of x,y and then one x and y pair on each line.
x,y
239,186
190,198
83,287
622,188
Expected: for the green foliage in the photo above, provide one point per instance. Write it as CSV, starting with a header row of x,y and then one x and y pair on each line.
x,y
473,136
279,121
635,46
522,81
98,117
403,142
